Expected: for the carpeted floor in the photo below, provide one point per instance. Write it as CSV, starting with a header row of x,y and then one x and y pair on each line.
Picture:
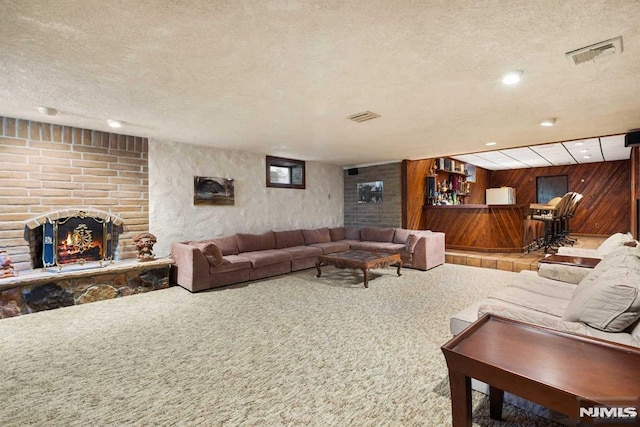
x,y
294,350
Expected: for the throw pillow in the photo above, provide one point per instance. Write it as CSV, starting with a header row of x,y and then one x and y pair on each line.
x,y
613,242
212,253
412,241
609,298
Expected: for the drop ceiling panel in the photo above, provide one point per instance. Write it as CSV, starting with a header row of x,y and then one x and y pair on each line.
x,y
526,156
556,154
585,151
613,148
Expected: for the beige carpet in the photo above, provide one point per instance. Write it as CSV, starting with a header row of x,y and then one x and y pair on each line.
x,y
294,350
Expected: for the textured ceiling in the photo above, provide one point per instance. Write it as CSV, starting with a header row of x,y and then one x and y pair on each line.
x,y
280,77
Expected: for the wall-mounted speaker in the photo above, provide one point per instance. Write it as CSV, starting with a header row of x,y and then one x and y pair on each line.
x,y
632,139
354,171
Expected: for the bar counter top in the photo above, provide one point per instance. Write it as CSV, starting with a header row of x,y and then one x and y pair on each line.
x,y
471,206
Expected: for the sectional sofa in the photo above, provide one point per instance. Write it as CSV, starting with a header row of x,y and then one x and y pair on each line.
x,y
211,263
602,302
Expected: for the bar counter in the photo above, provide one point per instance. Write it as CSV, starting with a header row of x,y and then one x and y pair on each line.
x,y
483,228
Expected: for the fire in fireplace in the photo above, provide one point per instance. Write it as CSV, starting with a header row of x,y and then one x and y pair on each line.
x,y
77,239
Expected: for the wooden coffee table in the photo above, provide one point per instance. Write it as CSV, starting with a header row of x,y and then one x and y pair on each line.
x,y
570,260
558,370
360,260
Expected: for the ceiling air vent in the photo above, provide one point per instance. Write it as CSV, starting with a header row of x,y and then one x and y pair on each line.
x,y
363,117
595,52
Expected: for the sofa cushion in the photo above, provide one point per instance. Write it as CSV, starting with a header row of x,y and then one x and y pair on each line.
x,y
287,239
609,297
318,235
337,233
267,257
211,252
332,247
411,242
300,252
351,233
371,234
227,245
255,242
387,247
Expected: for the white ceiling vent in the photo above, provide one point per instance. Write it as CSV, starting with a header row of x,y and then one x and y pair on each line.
x,y
363,117
595,52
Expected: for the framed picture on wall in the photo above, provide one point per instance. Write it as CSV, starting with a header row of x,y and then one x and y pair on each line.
x,y
370,192
213,191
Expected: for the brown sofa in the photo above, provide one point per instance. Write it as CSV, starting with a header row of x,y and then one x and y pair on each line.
x,y
212,263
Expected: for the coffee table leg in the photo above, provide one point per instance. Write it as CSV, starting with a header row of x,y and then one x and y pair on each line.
x,y
496,396
460,399
366,277
318,264
399,267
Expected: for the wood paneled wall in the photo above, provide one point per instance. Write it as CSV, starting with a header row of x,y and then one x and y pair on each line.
x,y
414,173
635,192
605,208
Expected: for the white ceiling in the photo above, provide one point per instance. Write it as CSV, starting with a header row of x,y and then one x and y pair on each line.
x,y
280,77
590,150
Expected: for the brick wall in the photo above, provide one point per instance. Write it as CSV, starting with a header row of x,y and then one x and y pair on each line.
x,y
45,168
385,214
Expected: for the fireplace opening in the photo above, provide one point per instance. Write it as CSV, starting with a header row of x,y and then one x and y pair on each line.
x,y
73,237
80,240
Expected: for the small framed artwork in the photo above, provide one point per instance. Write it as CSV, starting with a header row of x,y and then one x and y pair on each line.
x,y
213,191
370,192
470,170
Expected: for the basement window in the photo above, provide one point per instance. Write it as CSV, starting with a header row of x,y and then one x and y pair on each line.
x,y
285,173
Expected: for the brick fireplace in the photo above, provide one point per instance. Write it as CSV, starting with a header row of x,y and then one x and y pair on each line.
x,y
52,172
48,168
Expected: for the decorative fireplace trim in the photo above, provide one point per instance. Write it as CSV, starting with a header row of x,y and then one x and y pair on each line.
x,y
51,216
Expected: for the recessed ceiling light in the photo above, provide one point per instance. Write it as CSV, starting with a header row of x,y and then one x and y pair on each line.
x,y
584,150
548,122
489,144
114,123
47,111
580,143
587,156
512,77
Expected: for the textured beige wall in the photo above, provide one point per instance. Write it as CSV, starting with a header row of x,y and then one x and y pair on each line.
x,y
173,216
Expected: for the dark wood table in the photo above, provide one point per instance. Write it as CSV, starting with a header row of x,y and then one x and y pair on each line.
x,y
574,261
558,370
360,260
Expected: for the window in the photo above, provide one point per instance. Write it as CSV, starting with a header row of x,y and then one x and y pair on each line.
x,y
285,173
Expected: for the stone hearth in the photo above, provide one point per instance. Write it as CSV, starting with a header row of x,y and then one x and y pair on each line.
x,y
34,291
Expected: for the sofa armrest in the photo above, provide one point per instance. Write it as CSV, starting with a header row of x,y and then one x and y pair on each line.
x,y
191,268
429,251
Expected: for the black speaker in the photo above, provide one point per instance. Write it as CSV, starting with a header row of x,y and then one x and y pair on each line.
x,y
353,171
632,139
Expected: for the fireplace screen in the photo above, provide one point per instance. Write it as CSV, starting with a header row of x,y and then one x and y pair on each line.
x,y
76,240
